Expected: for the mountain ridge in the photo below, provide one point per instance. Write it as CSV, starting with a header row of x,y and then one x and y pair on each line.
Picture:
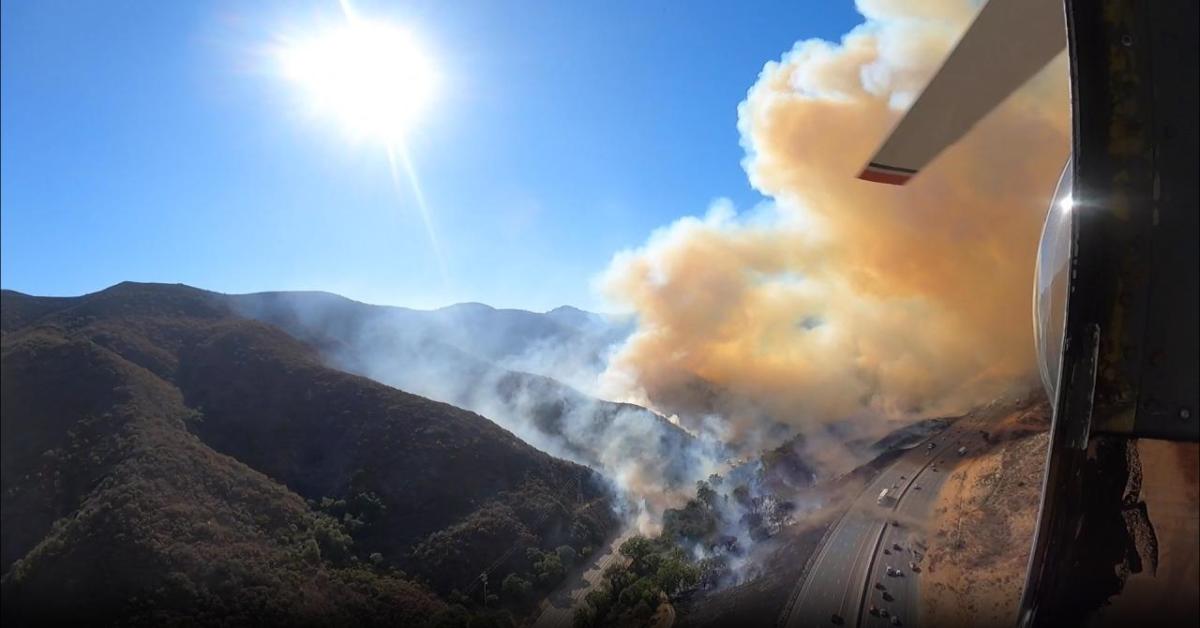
x,y
104,394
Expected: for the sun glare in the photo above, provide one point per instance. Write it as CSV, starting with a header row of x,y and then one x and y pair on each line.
x,y
372,77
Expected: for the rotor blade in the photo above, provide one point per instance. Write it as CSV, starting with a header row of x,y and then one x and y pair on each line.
x,y
1009,41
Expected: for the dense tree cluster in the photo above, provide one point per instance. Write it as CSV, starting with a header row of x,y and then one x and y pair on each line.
x,y
656,570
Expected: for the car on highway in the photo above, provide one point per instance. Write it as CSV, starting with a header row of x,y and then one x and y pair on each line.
x,y
930,446
888,597
895,620
879,585
874,610
837,619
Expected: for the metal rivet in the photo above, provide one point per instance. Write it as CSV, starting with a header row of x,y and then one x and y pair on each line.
x,y
1126,40
1184,413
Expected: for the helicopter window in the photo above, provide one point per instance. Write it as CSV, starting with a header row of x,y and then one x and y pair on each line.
x,y
1051,279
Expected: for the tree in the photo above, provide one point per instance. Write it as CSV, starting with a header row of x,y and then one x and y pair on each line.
x,y
618,576
454,616
675,574
601,599
741,494
585,617
705,494
636,548
692,522
491,619
333,542
311,552
566,555
643,590
515,587
712,570
549,569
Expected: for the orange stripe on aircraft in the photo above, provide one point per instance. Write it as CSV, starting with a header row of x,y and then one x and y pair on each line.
x,y
884,176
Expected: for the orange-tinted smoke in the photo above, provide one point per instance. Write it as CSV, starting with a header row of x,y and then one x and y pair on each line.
x,y
842,298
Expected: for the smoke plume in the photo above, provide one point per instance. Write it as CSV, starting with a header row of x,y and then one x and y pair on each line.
x,y
842,301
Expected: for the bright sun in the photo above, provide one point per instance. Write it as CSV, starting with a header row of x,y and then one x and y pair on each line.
x,y
371,76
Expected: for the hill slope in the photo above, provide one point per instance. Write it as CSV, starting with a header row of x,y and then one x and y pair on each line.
x,y
509,365
164,458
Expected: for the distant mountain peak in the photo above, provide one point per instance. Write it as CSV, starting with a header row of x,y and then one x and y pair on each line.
x,y
469,305
574,317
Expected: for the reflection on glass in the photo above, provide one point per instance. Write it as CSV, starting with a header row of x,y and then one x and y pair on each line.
x,y
1051,280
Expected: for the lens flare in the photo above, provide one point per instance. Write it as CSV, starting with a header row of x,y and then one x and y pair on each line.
x,y
374,79
371,77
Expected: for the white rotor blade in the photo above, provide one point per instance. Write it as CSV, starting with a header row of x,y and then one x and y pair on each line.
x,y
1009,41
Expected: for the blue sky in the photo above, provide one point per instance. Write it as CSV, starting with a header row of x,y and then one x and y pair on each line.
x,y
153,141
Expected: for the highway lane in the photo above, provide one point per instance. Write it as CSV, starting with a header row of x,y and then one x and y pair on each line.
x,y
914,507
839,588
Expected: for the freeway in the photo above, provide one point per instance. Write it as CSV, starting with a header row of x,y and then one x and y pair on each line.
x,y
849,576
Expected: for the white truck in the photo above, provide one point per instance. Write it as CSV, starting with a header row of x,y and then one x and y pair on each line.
x,y
962,450
885,497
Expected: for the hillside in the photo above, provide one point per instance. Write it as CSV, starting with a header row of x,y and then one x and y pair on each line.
x,y
165,458
983,522
512,366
